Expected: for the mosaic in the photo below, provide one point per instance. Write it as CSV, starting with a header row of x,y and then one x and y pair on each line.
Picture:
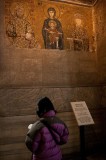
x,y
49,26
19,30
52,31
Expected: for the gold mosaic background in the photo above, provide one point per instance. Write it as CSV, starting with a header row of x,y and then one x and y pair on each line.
x,y
35,13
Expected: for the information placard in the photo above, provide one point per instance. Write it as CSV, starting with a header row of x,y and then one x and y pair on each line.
x,y
82,113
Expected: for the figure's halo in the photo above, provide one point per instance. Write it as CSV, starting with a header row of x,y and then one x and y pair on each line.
x,y
51,6
78,16
15,5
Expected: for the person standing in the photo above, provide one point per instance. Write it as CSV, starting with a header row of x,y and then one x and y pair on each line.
x,y
47,134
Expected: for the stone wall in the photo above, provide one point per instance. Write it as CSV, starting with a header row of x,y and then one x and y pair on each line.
x,y
100,24
23,67
17,111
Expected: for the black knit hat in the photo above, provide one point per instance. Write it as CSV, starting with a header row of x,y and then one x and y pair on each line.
x,y
44,105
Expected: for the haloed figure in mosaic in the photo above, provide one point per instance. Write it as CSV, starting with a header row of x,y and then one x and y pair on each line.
x,y
52,31
19,30
80,35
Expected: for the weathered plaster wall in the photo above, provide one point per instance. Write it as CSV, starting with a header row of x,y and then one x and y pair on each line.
x,y
100,24
23,68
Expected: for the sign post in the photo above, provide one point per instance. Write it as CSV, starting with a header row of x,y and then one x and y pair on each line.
x,y
83,118
82,143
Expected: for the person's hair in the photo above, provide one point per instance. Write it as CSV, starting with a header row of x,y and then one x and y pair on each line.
x,y
51,9
44,105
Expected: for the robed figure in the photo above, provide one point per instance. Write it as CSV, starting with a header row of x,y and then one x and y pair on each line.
x,y
52,31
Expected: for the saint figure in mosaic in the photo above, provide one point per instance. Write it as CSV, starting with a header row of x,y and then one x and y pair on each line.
x,y
52,31
19,30
80,36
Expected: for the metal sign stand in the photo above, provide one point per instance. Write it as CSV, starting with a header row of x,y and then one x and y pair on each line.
x,y
83,118
82,143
